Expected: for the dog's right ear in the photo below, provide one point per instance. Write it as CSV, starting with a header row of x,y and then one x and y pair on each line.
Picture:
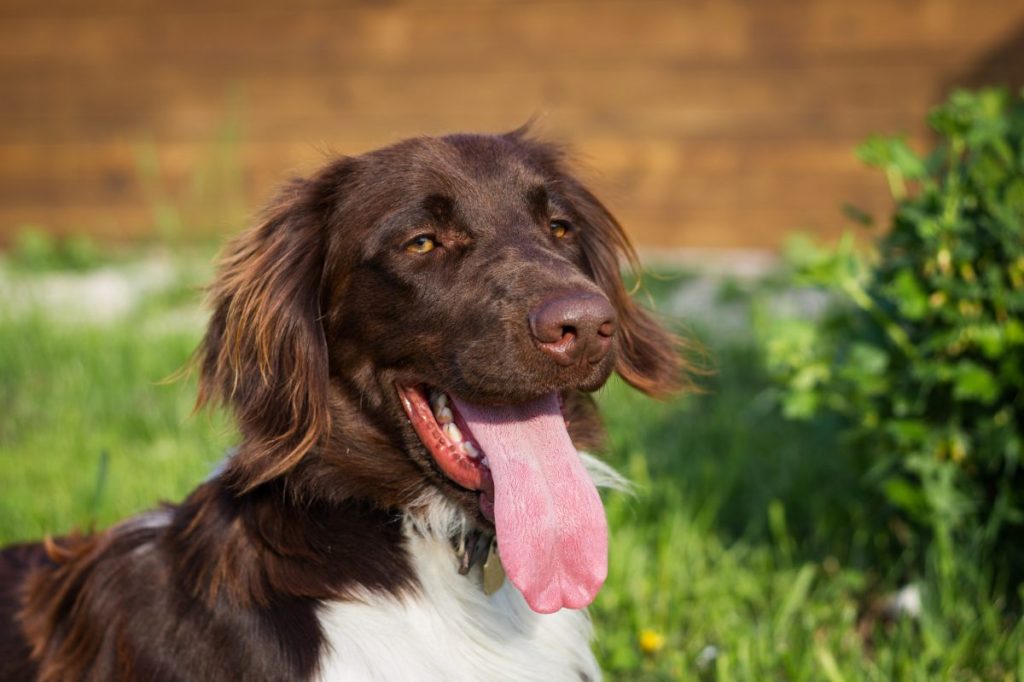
x,y
264,354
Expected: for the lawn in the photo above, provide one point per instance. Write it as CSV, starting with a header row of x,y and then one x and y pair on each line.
x,y
746,552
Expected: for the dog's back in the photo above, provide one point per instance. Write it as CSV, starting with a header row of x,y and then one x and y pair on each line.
x,y
16,562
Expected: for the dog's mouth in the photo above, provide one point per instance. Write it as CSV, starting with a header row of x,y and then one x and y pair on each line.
x,y
446,436
550,524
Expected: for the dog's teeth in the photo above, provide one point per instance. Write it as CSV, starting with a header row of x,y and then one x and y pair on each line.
x,y
453,433
444,415
470,449
483,460
438,400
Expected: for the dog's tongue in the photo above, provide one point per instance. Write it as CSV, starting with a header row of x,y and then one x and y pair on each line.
x,y
552,534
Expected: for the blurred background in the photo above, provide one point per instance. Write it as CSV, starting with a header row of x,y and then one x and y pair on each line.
x,y
711,124
842,500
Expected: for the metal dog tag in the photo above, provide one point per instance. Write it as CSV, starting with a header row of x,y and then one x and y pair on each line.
x,y
494,572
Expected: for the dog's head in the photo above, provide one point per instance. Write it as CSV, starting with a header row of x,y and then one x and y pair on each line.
x,y
420,320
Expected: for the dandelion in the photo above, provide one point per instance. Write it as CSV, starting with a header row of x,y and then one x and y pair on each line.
x,y
651,641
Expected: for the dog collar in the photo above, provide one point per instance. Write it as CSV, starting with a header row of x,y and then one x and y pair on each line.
x,y
477,547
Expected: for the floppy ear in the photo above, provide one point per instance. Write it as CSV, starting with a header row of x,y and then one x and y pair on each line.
x,y
264,354
649,356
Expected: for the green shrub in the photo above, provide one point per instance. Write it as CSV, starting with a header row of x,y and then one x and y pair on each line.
x,y
921,348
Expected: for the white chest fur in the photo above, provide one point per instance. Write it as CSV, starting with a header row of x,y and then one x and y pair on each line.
x,y
451,631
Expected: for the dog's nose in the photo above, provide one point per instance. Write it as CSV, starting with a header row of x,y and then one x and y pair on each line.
x,y
573,327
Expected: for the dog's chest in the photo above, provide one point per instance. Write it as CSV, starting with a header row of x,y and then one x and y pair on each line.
x,y
450,630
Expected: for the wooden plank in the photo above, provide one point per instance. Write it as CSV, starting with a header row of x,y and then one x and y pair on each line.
x,y
108,169
705,226
760,100
671,180
447,32
718,122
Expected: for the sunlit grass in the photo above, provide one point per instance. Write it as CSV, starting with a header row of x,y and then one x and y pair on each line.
x,y
90,431
746,552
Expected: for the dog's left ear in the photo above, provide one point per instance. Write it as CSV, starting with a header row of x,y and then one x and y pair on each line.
x,y
265,353
649,356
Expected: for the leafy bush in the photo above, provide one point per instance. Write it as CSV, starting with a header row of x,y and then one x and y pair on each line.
x,y
921,348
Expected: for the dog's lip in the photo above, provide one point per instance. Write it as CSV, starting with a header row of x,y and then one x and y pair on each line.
x,y
458,466
467,473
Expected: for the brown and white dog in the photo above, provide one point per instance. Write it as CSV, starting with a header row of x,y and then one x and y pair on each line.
x,y
407,341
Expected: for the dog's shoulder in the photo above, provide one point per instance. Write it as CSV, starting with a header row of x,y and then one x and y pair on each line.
x,y
113,605
448,629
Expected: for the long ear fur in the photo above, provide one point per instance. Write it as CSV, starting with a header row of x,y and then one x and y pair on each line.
x,y
264,353
650,357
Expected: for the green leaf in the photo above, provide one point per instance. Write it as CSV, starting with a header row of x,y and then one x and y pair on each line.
x,y
799,404
891,152
910,298
974,382
906,496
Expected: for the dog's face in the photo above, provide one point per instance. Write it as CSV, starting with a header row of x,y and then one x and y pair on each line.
x,y
460,258
423,319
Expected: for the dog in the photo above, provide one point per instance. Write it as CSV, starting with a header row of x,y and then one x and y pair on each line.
x,y
408,341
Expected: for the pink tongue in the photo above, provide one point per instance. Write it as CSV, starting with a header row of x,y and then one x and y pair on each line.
x,y
552,534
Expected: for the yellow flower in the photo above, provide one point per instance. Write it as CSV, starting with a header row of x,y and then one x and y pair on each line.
x,y
651,641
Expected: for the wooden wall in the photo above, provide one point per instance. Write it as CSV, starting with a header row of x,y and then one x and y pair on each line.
x,y
705,123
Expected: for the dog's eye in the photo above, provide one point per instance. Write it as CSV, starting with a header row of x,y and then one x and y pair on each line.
x,y
559,228
423,243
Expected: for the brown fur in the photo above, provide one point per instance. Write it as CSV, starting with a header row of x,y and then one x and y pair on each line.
x,y
318,312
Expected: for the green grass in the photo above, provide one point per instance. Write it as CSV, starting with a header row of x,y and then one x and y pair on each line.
x,y
88,432
751,534
748,552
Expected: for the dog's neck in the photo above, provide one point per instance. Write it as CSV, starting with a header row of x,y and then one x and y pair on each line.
x,y
472,549
269,543
284,526
451,629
